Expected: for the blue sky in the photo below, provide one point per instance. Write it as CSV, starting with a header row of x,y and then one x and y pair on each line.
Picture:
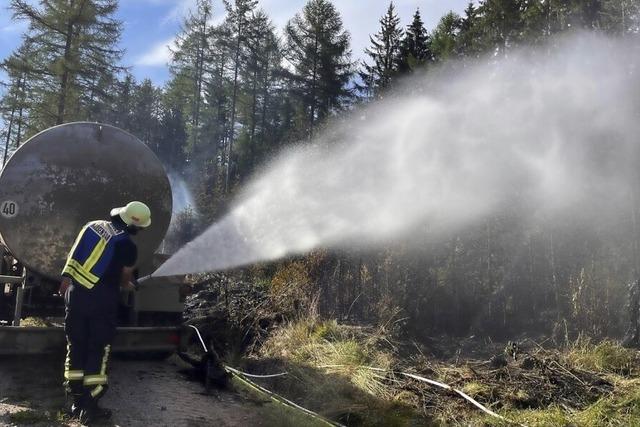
x,y
150,25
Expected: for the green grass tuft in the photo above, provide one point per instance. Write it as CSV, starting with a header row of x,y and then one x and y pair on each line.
x,y
475,389
328,330
553,416
607,356
328,365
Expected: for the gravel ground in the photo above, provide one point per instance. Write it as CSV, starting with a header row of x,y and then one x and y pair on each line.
x,y
142,393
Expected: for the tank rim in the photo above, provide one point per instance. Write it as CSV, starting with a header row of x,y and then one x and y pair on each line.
x,y
28,264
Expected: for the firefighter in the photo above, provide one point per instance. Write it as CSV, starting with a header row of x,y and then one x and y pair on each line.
x,y
100,263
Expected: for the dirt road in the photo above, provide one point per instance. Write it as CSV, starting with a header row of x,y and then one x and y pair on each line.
x,y
142,393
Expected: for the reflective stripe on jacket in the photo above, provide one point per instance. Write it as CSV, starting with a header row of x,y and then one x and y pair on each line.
x,y
92,252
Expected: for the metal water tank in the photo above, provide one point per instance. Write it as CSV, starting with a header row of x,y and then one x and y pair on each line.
x,y
68,175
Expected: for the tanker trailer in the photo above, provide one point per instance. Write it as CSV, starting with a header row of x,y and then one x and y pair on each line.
x,y
53,184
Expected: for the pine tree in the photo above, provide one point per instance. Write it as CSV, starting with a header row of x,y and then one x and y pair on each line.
x,y
445,37
502,23
317,47
95,102
470,32
188,64
414,48
15,101
10,107
238,17
172,138
384,52
588,13
146,111
621,16
262,62
74,50
216,112
535,22
122,111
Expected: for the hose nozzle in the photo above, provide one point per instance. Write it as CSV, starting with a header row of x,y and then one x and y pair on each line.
x,y
144,279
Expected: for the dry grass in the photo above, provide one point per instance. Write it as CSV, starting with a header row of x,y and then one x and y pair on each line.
x,y
476,389
620,407
37,322
331,371
606,356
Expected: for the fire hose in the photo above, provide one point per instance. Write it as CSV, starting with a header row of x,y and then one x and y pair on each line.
x,y
243,377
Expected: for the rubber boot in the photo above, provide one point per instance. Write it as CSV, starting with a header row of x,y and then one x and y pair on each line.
x,y
89,415
72,406
91,411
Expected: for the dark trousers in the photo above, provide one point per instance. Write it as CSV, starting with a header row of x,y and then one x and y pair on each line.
x,y
90,325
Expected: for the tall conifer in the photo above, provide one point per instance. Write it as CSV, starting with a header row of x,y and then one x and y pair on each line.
x,y
414,48
384,54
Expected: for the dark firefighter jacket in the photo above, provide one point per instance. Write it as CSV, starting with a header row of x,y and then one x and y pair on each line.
x,y
92,252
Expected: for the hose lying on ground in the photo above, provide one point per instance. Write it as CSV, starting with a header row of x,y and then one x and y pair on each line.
x,y
459,392
276,397
243,377
437,384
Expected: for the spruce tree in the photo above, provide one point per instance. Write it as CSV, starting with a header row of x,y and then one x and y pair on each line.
x,y
502,23
317,47
146,111
535,22
469,33
445,37
172,138
384,53
414,48
122,113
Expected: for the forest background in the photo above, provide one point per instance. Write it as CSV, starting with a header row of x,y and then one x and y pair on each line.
x,y
241,91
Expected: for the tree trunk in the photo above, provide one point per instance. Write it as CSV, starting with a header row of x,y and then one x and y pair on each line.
x,y
8,139
254,109
634,232
314,78
19,133
554,275
66,75
64,79
199,80
265,100
233,106
19,89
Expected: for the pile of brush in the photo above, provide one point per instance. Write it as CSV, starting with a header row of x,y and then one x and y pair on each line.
x,y
519,378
